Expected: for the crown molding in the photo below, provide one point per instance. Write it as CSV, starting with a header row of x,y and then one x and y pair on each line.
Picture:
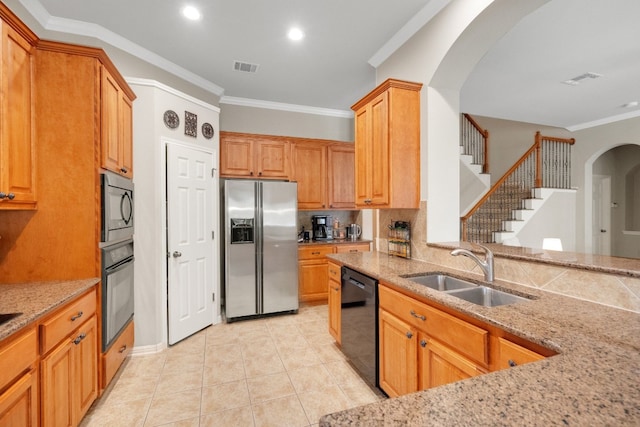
x,y
425,15
256,103
161,86
605,121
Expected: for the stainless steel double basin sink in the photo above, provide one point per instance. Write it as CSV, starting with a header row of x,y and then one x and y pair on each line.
x,y
463,289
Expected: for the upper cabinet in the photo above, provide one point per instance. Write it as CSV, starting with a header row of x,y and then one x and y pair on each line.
x,y
387,147
253,156
17,154
116,126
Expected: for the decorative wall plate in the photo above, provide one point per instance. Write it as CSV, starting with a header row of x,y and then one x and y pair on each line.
x,y
190,124
171,119
207,130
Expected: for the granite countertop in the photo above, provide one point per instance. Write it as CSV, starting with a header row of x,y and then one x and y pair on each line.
x,y
37,299
333,242
594,380
600,263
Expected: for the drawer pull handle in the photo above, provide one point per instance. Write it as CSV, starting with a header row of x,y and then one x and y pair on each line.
x,y
315,253
79,338
423,343
122,349
512,363
409,335
418,316
77,316
353,250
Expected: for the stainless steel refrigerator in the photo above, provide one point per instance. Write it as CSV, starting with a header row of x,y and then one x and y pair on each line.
x,y
261,247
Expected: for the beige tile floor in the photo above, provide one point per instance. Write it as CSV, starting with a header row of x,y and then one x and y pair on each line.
x,y
277,371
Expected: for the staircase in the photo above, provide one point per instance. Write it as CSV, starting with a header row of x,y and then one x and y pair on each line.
x,y
512,200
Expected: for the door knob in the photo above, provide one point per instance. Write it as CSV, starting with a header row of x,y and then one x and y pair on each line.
x,y
177,254
603,231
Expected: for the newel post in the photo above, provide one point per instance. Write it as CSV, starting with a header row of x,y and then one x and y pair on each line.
x,y
538,144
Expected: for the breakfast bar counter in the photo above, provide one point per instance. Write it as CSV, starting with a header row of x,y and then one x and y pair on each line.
x,y
593,380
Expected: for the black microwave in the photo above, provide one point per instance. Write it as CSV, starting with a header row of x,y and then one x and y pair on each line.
x,y
117,208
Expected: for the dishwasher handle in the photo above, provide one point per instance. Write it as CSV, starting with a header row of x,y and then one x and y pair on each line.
x,y
356,283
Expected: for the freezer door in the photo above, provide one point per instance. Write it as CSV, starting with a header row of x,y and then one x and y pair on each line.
x,y
240,255
279,246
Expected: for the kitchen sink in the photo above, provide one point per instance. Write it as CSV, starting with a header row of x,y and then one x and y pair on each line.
x,y
441,282
487,297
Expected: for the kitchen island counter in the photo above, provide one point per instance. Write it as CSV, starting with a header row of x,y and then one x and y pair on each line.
x,y
36,299
593,380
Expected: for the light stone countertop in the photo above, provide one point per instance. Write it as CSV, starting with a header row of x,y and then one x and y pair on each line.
x,y
37,299
594,380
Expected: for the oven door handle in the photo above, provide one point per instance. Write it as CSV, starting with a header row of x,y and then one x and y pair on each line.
x,y
119,266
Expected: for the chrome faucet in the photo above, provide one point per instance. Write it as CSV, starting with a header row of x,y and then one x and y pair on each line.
x,y
486,265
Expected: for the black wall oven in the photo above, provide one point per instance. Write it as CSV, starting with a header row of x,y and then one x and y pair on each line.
x,y
117,290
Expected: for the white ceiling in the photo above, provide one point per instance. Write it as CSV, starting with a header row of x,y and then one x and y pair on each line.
x,y
519,79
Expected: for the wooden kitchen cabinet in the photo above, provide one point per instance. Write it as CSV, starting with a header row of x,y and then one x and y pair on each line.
x,y
387,146
19,380
17,151
69,364
325,175
335,297
510,354
115,355
254,156
116,127
423,347
310,172
353,248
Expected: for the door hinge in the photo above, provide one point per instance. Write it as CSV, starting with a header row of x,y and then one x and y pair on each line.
x,y
213,172
213,236
213,297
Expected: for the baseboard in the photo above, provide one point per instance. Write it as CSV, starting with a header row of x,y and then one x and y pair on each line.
x,y
148,349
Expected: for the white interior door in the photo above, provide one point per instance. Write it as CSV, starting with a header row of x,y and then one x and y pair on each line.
x,y
190,244
602,214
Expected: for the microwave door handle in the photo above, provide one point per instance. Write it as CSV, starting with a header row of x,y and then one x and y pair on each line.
x,y
126,218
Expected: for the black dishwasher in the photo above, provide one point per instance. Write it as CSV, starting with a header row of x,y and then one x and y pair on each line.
x,y
359,323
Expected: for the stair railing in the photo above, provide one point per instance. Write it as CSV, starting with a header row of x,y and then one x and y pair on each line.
x,y
547,164
475,141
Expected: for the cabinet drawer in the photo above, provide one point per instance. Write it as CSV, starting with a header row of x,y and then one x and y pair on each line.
x,y
17,356
314,252
463,337
334,272
114,357
356,247
66,319
511,354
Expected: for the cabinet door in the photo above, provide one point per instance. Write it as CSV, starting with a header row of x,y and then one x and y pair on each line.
x,y
335,294
362,156
17,160
312,280
379,150
57,387
85,380
511,354
110,142
310,165
440,365
19,404
126,136
398,355
236,157
341,191
272,159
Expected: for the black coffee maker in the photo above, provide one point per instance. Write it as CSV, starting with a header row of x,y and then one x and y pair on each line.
x,y
321,225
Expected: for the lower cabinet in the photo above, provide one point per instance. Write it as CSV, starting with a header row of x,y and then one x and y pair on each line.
x,y
335,296
510,355
313,268
19,380
70,377
422,347
112,359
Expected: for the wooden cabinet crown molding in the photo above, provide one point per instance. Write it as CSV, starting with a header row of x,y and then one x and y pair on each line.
x,y
16,23
91,52
383,87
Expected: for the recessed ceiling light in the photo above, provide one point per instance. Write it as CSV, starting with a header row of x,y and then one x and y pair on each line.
x,y
190,12
295,34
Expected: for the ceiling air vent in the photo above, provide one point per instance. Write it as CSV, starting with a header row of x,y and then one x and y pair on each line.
x,y
245,67
576,80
